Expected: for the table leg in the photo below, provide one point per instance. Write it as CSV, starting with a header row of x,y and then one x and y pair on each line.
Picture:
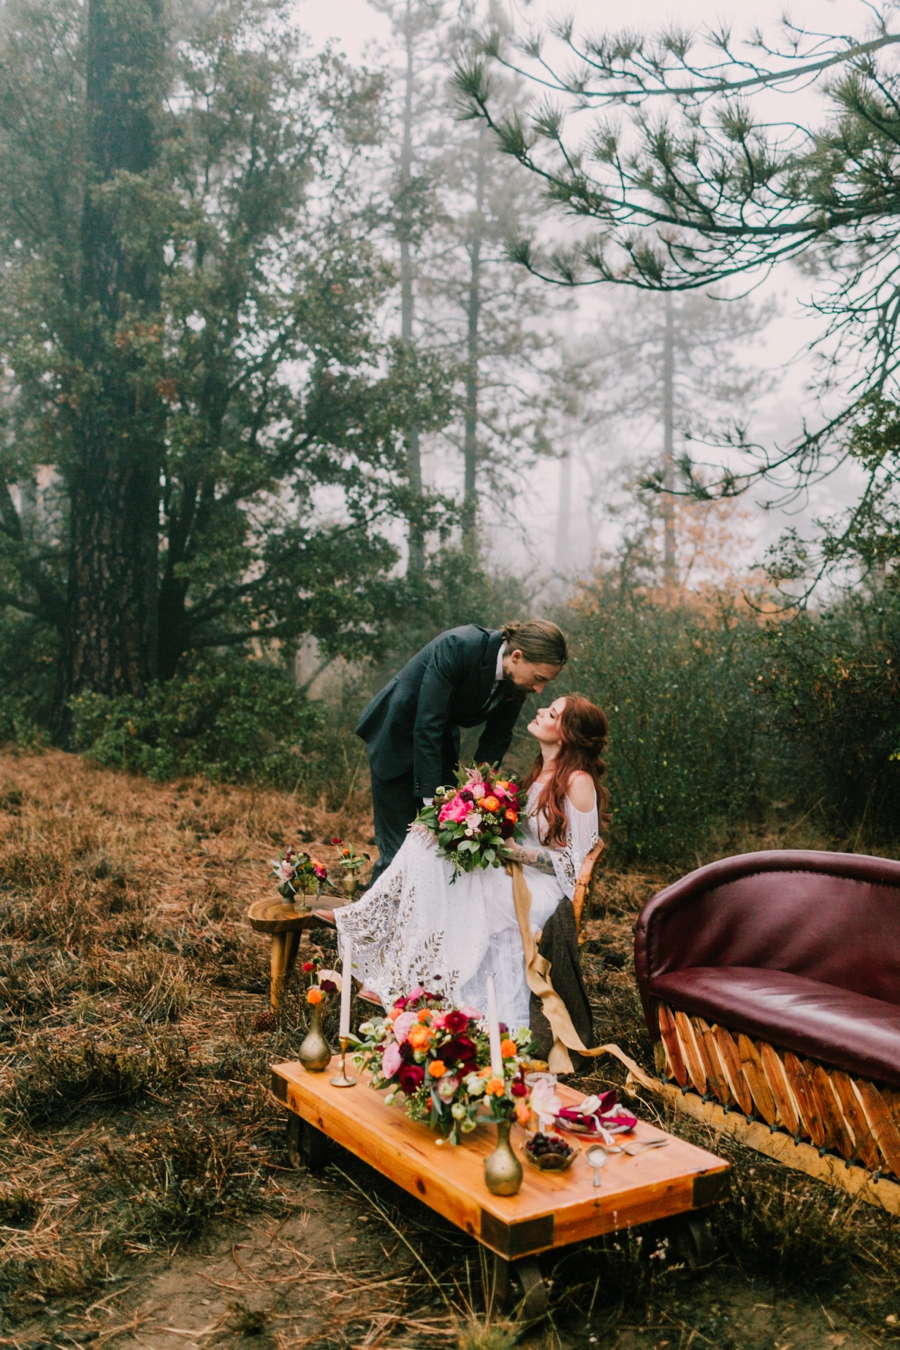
x,y
306,1146
276,979
515,1284
292,946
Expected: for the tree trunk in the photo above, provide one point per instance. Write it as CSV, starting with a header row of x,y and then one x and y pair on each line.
x,y
473,352
407,294
670,566
113,467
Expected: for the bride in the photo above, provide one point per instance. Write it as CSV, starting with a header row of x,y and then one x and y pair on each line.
x,y
416,926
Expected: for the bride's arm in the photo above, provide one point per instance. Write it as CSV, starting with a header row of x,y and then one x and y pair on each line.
x,y
529,857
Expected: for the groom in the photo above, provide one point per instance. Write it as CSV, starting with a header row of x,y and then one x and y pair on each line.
x,y
464,677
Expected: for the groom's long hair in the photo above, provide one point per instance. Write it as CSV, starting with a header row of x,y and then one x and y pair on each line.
x,y
584,729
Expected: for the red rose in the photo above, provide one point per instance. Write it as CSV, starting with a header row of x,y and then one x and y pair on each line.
x,y
519,1089
335,840
411,1076
455,1022
401,1003
460,1050
329,986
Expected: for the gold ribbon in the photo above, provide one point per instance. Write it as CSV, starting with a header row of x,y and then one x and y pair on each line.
x,y
537,975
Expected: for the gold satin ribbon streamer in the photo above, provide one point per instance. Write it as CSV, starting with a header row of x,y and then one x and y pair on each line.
x,y
537,975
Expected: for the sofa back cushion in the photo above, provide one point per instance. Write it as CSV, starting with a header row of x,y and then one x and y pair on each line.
x,y
832,917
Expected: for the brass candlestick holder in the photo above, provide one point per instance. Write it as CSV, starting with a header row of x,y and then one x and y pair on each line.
x,y
342,1080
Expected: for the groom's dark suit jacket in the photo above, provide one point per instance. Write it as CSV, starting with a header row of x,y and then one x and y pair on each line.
x,y
414,722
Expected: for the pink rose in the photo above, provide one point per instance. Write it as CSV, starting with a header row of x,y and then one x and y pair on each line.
x,y
403,1024
478,791
415,994
454,811
391,1060
471,1012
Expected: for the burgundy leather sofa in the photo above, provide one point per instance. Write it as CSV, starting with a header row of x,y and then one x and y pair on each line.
x,y
773,981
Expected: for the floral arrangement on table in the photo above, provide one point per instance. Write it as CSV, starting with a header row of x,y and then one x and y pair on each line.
x,y
436,1060
473,822
351,862
321,982
298,871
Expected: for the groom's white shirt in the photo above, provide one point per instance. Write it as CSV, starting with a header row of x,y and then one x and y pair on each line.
x,y
498,676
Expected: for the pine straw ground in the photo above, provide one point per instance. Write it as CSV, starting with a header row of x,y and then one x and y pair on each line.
x,y
145,1198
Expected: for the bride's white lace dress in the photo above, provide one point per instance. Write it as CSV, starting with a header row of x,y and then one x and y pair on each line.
x,y
415,927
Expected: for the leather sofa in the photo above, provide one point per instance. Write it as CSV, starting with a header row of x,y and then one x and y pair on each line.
x,y
771,982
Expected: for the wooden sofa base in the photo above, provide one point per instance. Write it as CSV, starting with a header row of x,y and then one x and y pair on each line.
x,y
786,1107
775,1143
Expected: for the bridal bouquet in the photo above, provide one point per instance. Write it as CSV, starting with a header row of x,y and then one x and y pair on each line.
x,y
436,1060
472,822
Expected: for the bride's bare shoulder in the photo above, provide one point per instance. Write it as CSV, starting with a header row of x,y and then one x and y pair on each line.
x,y
580,791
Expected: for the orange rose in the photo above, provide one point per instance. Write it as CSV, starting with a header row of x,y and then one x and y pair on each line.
x,y
314,995
508,1048
425,1016
512,815
494,1088
490,804
502,783
437,1068
419,1036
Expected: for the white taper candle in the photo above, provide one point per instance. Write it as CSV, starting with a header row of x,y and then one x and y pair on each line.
x,y
494,1029
346,986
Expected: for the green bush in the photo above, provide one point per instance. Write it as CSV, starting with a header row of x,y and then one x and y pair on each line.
x,y
28,676
829,686
232,721
684,750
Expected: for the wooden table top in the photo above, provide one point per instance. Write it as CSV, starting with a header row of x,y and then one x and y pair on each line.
x,y
552,1209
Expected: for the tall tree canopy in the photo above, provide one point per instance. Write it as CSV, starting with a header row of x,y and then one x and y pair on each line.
x,y
689,158
203,429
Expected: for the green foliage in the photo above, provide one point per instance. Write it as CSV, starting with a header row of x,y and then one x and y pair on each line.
x,y
829,688
675,684
231,721
28,657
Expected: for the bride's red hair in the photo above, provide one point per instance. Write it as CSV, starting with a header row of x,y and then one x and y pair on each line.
x,y
583,730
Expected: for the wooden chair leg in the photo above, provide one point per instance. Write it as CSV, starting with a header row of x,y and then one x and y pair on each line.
x,y
276,981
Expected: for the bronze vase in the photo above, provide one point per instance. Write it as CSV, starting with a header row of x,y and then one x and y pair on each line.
x,y
350,884
502,1170
315,1052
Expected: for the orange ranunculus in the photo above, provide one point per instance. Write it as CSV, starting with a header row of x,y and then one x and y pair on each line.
x,y
437,1068
512,815
508,1048
425,1016
490,804
502,783
485,1072
419,1036
523,1114
494,1088
314,995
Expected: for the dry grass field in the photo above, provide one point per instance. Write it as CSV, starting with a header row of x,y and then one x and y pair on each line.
x,y
145,1197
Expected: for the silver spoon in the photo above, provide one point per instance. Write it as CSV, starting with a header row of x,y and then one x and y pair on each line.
x,y
596,1157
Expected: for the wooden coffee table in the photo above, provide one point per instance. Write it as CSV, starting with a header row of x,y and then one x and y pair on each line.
x,y
552,1209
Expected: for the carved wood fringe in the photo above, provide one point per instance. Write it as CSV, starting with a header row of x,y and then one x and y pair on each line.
x,y
824,1107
